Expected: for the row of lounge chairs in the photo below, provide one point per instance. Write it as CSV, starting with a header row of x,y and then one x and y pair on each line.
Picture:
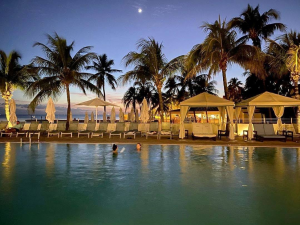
x,y
91,129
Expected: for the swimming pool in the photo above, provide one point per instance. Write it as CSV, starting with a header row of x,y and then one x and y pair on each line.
x,y
85,184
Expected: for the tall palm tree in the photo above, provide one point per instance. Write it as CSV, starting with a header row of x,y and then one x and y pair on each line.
x,y
104,70
220,49
12,76
235,89
256,26
130,98
149,65
60,71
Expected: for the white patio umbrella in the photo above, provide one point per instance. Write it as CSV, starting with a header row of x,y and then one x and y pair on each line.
x,y
137,115
144,112
132,115
12,111
113,115
96,102
104,117
86,117
92,117
50,111
121,115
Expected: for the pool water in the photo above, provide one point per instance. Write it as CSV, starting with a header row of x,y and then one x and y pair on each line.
x,y
85,184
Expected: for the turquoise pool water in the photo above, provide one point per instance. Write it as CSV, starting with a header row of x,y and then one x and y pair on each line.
x,y
85,184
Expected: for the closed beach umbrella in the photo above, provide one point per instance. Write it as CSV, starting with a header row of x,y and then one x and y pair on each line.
x,y
104,117
50,111
132,115
144,112
121,115
86,118
92,117
12,111
113,115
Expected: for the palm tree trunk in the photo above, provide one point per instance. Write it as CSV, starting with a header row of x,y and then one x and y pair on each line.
x,y
161,103
7,96
295,79
69,107
104,97
225,83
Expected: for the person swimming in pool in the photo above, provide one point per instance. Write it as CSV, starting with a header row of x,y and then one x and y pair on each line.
x,y
115,149
138,146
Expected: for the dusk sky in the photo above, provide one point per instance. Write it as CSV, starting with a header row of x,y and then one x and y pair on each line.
x,y
113,27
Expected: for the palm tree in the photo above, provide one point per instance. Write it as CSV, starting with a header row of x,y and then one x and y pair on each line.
x,y
219,49
60,71
12,76
130,98
256,26
149,65
104,74
235,89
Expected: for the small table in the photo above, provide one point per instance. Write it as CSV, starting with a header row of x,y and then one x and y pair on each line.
x,y
222,133
186,132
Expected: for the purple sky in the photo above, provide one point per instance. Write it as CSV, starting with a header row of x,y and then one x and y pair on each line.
x,y
113,27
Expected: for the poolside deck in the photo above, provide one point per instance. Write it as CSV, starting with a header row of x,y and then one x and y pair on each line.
x,y
152,140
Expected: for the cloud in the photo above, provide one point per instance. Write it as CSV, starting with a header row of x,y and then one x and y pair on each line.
x,y
139,4
162,10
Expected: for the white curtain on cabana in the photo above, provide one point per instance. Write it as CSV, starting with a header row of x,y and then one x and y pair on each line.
x,y
237,112
183,111
251,110
278,110
222,117
230,113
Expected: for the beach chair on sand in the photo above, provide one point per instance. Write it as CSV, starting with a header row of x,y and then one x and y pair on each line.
x,y
266,131
55,130
165,130
10,134
133,130
102,129
153,130
73,128
203,130
91,126
120,129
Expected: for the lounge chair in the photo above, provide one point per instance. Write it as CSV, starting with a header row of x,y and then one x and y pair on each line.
x,y
91,126
73,128
44,127
34,129
60,126
266,131
3,125
24,130
133,130
165,130
120,129
153,130
174,130
203,130
102,129
10,134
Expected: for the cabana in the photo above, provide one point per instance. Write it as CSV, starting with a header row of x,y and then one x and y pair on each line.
x,y
207,100
266,100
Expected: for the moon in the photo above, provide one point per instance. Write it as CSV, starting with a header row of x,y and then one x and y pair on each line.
x,y
140,10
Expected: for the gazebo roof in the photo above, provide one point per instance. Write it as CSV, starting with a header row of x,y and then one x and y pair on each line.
x,y
268,99
206,100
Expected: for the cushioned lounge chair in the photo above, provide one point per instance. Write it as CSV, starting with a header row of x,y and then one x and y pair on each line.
x,y
10,134
290,132
120,129
165,130
100,132
73,128
90,127
203,130
133,130
55,130
153,130
266,131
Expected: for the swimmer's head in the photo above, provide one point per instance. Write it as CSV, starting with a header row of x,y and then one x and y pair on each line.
x,y
138,146
115,147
